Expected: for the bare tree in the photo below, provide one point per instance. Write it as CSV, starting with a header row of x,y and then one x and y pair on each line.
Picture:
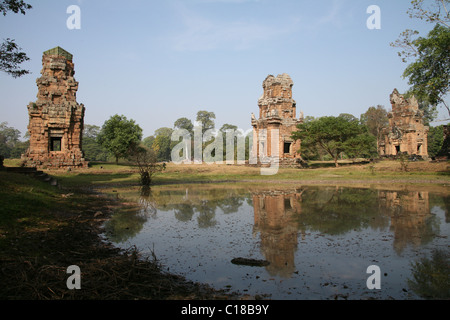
x,y
146,161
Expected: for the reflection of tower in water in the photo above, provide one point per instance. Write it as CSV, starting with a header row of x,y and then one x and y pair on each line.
x,y
408,213
274,214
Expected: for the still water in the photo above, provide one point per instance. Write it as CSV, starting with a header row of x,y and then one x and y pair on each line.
x,y
319,241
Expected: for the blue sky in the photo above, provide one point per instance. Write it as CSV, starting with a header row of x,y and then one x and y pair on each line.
x,y
160,60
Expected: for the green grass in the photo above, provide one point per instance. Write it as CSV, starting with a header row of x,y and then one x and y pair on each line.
x,y
24,199
27,207
105,174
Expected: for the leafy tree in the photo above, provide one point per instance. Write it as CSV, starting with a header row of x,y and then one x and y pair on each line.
x,y
184,123
162,145
148,142
9,138
435,140
429,74
93,151
334,135
362,145
206,119
10,55
118,135
14,6
348,117
375,119
20,147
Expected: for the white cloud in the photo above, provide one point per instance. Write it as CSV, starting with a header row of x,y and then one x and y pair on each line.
x,y
333,16
201,33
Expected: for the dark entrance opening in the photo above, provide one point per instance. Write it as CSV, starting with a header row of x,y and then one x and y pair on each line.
x,y
287,147
55,144
287,203
397,149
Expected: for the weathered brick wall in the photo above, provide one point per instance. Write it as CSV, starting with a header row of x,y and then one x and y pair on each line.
x,y
55,119
407,132
277,111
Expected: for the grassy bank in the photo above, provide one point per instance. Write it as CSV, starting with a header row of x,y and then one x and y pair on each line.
x,y
44,230
381,172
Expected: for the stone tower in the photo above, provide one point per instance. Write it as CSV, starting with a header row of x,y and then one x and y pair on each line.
x,y
406,132
56,119
277,114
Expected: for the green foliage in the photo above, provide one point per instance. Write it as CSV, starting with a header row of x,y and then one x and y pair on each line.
x,y
10,145
206,119
148,142
429,74
10,55
162,144
14,6
184,123
375,118
118,135
93,151
435,140
431,277
331,210
334,135
361,146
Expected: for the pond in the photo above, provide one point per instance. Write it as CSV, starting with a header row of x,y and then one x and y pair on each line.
x,y
318,241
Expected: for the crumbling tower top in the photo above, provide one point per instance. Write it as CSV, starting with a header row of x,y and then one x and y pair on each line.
x,y
277,97
58,51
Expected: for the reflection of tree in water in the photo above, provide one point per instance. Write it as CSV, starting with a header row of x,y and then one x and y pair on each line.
x,y
230,204
337,210
184,212
146,202
200,203
128,223
431,277
124,225
207,214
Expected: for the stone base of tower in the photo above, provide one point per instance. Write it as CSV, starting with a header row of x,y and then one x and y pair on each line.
x,y
55,161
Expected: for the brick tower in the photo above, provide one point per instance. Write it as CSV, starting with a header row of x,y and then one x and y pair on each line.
x,y
407,132
56,119
277,118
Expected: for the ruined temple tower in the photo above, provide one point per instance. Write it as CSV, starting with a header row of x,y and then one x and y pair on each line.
x,y
56,119
277,120
406,132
